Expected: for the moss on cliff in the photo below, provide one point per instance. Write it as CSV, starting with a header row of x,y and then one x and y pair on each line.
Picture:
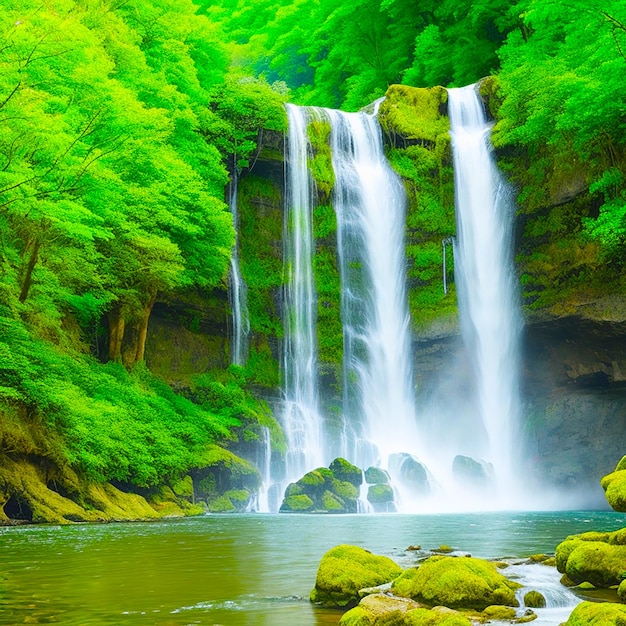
x,y
417,128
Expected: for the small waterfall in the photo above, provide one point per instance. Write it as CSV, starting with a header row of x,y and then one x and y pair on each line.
x,y
264,463
369,199
237,291
302,421
485,278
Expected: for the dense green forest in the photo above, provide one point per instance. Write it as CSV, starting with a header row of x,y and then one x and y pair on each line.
x,y
121,123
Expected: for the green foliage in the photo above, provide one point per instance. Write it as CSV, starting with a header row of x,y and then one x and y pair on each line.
x,y
104,422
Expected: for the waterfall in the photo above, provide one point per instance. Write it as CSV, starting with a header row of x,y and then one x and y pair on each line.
x,y
301,417
369,199
237,291
485,279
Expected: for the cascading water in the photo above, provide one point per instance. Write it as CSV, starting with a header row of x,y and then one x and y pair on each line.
x,y
369,200
302,421
238,291
486,283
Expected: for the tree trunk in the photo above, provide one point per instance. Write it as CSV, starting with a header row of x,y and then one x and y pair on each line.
x,y
116,334
143,328
27,281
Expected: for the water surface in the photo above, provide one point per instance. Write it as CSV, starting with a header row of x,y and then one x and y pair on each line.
x,y
239,570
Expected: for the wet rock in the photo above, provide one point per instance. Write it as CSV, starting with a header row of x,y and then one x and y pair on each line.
x,y
376,476
534,600
598,614
381,498
378,609
408,470
344,570
456,582
472,473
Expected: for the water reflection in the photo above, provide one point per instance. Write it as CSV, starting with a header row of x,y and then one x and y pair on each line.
x,y
233,570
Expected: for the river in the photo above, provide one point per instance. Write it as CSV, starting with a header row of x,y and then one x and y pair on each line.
x,y
255,569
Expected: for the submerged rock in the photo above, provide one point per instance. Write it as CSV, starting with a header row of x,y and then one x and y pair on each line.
x,y
456,582
344,570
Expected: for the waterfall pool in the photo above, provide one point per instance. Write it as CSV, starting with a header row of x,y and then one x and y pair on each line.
x,y
255,569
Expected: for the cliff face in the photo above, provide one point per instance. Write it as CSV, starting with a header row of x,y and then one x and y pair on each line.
x,y
573,363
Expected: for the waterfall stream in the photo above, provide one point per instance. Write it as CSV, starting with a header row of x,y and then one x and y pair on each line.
x,y
486,282
369,200
238,291
301,417
379,423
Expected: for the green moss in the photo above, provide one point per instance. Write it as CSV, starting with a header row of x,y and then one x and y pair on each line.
x,y
598,614
418,128
426,617
379,609
300,503
621,465
332,504
221,504
320,163
345,569
375,475
345,490
260,237
596,562
499,612
183,487
344,470
415,113
563,551
457,583
534,600
379,494
614,486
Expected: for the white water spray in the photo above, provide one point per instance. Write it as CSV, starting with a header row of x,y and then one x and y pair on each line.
x,y
369,201
301,417
486,283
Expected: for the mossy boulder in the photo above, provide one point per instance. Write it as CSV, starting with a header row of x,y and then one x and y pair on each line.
x,y
621,591
344,471
379,609
376,476
332,489
614,486
297,504
440,616
344,570
598,614
534,600
381,497
456,582
596,562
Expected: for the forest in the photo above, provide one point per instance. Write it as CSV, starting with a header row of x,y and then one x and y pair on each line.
x,y
122,123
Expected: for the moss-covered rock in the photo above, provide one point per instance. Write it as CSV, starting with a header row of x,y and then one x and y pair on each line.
x,y
328,489
345,569
534,599
456,582
596,562
345,471
621,591
614,486
379,609
376,476
440,616
297,504
380,497
598,614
